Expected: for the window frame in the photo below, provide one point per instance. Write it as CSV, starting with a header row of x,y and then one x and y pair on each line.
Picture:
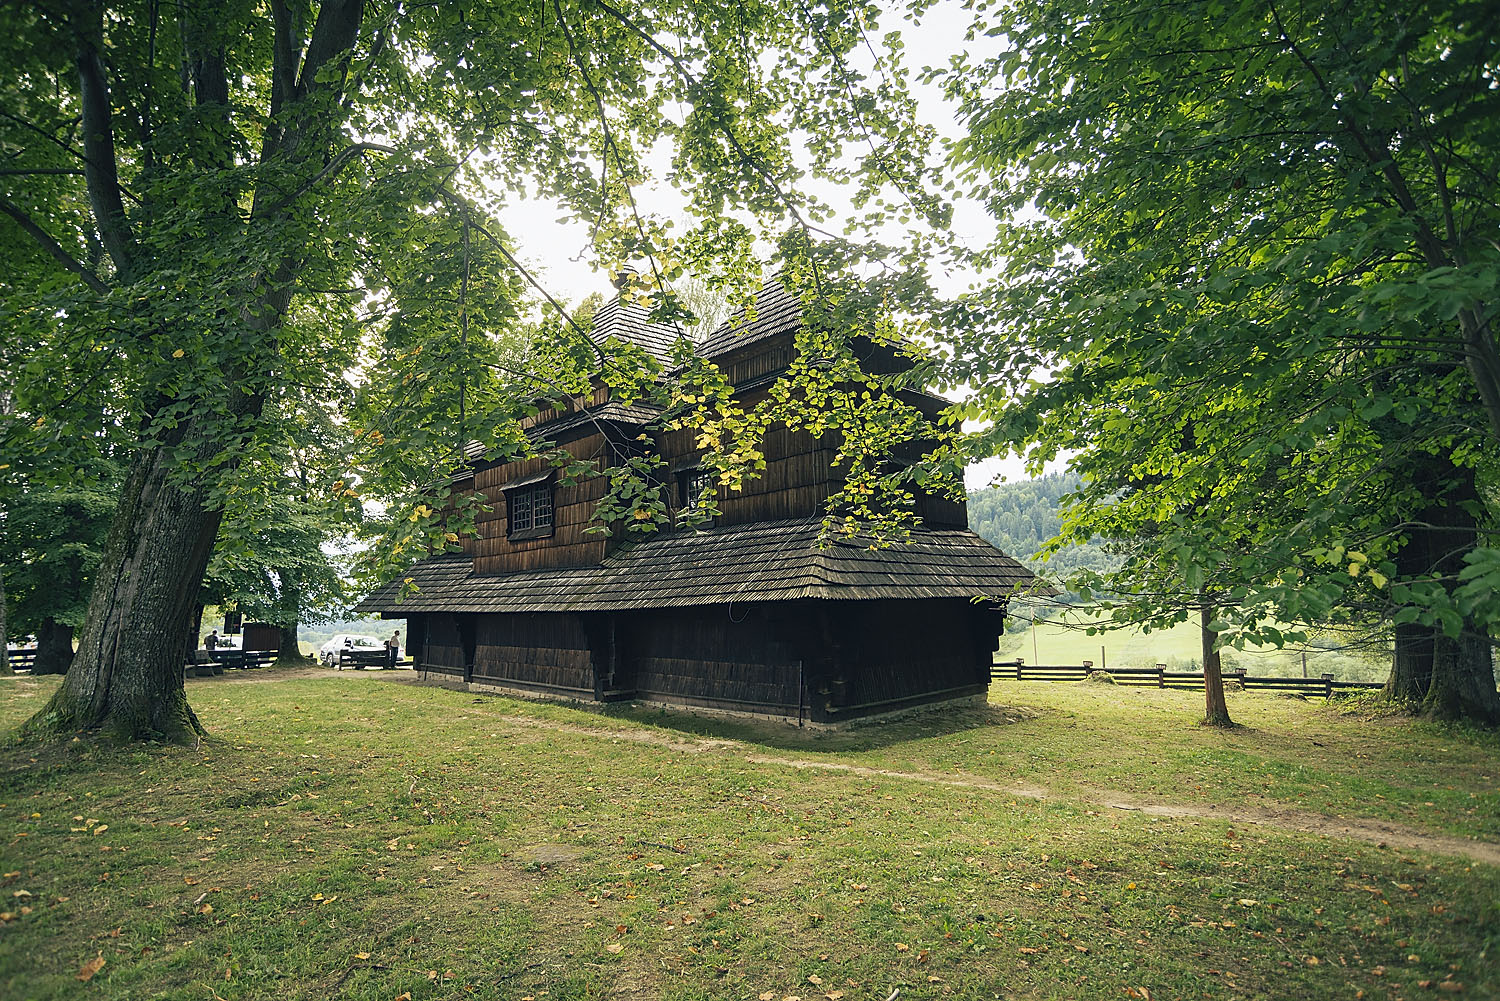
x,y
525,505
687,496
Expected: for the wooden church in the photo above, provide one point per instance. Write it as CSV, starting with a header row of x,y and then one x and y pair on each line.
x,y
748,614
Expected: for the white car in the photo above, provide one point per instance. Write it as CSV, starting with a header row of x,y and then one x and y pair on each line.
x,y
328,653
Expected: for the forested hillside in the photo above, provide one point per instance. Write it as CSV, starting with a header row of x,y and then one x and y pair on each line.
x,y
1019,517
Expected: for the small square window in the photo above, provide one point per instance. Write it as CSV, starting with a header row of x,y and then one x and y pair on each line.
x,y
691,486
529,511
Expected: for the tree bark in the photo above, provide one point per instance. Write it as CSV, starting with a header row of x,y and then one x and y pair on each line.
x,y
1463,679
1446,678
5,668
1216,707
54,648
126,679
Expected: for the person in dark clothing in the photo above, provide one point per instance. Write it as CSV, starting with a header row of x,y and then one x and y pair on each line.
x,y
212,642
393,648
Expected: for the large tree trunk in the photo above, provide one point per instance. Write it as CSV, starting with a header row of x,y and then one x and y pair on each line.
x,y
1463,679
126,678
1216,707
1411,663
1447,678
54,648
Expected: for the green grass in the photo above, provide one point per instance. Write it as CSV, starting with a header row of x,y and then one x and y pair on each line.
x,y
350,837
1065,640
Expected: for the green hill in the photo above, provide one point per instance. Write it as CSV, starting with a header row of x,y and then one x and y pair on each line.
x,y
1019,517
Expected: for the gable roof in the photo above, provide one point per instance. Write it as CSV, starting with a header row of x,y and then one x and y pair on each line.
x,y
766,561
631,324
777,311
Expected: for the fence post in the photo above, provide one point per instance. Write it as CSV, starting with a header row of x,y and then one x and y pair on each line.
x,y
1328,686
1161,676
1018,669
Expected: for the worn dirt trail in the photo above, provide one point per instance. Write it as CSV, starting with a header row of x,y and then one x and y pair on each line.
x,y
1378,832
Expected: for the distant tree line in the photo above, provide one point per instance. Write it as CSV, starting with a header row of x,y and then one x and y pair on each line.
x,y
1021,517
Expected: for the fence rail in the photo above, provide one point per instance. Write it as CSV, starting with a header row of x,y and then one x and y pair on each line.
x,y
1160,677
208,662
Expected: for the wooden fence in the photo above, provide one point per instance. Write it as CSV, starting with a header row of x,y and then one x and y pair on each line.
x,y
210,662
1160,677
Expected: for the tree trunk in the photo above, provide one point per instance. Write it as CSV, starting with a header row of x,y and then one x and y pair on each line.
x,y
54,648
289,650
126,678
1411,666
1463,679
1217,708
1411,663
5,668
1448,678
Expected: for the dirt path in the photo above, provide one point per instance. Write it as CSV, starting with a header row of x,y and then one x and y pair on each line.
x,y
1385,834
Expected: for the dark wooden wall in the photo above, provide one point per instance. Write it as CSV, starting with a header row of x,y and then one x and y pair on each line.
x,y
442,649
799,477
740,657
535,650
877,656
572,513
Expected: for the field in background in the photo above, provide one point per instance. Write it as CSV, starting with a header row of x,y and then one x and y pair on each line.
x,y
1064,640
342,836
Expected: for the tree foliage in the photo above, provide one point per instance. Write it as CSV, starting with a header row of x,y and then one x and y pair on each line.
x,y
1261,274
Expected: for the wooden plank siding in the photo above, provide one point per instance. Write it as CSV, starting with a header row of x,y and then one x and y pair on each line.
x,y
442,646
731,657
883,655
544,651
572,514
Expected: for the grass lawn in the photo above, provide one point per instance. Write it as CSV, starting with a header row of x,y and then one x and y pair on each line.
x,y
350,836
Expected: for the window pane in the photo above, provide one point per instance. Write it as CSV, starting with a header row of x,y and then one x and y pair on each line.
x,y
520,510
541,506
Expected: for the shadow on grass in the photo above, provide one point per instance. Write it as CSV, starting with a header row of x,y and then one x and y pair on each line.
x,y
861,735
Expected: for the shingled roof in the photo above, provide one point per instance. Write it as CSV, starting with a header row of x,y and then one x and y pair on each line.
x,y
777,311
767,561
631,324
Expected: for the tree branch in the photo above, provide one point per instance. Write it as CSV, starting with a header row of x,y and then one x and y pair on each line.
x,y
52,247
100,169
336,164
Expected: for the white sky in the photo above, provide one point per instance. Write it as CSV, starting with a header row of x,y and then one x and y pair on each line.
x,y
559,255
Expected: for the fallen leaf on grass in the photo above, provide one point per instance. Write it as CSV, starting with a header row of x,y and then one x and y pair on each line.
x,y
814,979
361,955
87,970
615,947
403,996
768,996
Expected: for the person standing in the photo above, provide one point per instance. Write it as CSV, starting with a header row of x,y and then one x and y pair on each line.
x,y
393,648
212,642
